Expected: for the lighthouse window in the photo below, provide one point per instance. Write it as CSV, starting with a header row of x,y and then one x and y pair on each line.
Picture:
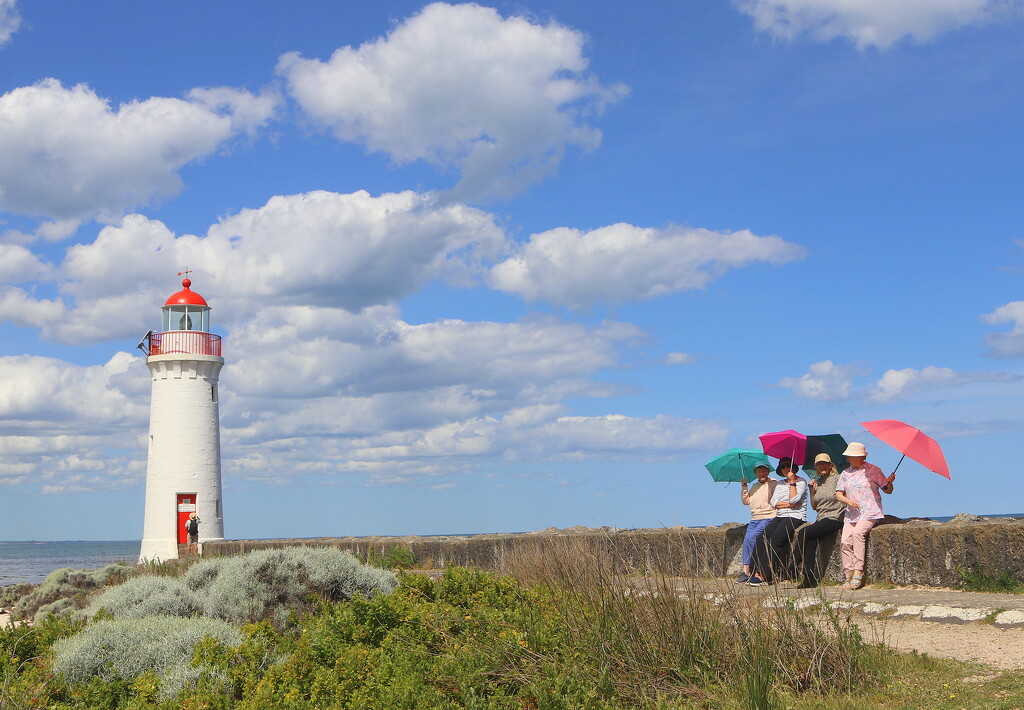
x,y
185,323
213,392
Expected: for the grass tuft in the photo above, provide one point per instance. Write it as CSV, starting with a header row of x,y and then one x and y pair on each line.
x,y
976,580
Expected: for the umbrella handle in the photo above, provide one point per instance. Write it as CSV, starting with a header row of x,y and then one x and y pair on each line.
x,y
901,461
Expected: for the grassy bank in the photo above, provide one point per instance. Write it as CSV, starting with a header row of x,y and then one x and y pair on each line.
x,y
556,630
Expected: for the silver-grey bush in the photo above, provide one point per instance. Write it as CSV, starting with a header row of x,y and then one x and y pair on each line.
x,y
66,583
269,583
127,648
147,596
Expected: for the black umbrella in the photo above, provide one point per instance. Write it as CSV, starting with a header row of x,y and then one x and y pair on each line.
x,y
832,444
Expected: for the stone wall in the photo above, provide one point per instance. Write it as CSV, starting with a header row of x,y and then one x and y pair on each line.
x,y
901,552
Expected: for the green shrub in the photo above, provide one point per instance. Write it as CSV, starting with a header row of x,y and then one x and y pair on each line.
x,y
393,557
976,580
146,596
125,649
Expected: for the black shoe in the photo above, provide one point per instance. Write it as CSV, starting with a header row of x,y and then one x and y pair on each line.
x,y
756,582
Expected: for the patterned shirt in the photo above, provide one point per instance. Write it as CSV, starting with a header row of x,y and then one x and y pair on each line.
x,y
862,485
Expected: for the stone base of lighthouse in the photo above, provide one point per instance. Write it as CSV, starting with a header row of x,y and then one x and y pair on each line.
x,y
183,473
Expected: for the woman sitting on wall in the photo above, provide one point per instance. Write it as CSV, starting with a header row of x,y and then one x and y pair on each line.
x,y
771,554
761,513
858,487
830,520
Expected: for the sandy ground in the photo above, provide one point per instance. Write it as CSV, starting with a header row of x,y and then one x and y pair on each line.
x,y
979,643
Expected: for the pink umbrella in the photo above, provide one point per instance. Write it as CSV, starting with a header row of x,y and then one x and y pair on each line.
x,y
785,443
911,442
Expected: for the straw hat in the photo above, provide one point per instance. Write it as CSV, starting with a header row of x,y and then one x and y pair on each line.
x,y
822,458
855,449
192,516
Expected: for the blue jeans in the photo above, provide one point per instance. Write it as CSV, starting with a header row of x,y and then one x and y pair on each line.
x,y
754,530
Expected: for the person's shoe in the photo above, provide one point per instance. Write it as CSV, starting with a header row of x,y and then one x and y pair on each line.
x,y
756,581
743,578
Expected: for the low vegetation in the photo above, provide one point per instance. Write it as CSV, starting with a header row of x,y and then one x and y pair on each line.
x,y
1006,582
314,628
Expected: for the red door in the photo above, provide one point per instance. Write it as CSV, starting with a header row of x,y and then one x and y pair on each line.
x,y
186,506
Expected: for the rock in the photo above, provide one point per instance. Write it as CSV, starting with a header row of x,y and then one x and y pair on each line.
x,y
966,518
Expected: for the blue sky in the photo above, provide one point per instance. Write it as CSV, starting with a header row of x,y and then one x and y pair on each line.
x,y
503,267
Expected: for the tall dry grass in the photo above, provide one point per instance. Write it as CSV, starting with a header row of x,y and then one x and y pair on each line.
x,y
657,635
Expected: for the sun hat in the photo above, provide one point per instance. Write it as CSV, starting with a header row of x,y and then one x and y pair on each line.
x,y
763,464
785,460
855,449
822,457
192,516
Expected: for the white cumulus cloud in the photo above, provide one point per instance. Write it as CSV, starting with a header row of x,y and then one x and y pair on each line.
x,y
623,263
347,251
896,384
824,381
68,154
459,86
871,23
1009,344
10,20
18,265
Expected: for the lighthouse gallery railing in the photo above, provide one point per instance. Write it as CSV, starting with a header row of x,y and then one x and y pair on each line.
x,y
187,342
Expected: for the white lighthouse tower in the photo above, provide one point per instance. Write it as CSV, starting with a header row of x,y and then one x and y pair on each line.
x,y
183,472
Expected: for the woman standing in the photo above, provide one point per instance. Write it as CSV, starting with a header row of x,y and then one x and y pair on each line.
x,y
761,513
772,550
858,487
830,520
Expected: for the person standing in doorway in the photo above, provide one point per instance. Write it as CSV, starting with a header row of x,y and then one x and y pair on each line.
x,y
192,528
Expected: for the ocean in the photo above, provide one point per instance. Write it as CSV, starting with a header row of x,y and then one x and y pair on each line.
x,y
32,561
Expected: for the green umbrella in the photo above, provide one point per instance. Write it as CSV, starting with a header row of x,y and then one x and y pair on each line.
x,y
736,464
832,444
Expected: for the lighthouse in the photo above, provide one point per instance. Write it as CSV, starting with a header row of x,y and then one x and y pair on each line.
x,y
183,469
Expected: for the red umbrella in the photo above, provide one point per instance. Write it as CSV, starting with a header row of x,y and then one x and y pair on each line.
x,y
785,443
911,442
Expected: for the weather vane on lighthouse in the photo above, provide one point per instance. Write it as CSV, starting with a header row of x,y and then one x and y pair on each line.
x,y
183,478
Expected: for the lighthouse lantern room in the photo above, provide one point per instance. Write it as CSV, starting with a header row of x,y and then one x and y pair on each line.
x,y
183,470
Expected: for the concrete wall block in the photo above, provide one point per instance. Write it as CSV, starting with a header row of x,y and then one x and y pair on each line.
x,y
899,552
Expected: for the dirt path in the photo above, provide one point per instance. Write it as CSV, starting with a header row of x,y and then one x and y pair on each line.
x,y
980,643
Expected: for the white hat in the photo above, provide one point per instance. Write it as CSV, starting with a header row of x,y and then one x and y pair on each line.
x,y
855,449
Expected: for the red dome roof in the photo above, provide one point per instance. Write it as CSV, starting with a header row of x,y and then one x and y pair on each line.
x,y
186,297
